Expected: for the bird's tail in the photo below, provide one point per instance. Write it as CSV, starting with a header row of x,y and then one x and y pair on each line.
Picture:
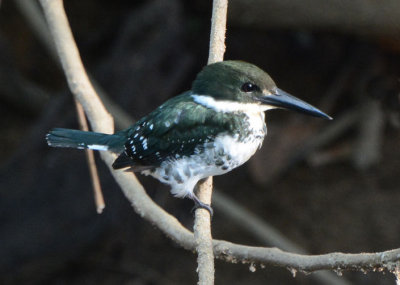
x,y
80,139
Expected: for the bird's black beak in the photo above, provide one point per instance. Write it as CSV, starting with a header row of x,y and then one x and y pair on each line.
x,y
281,99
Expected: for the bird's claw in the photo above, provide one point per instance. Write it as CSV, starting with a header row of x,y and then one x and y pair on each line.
x,y
198,204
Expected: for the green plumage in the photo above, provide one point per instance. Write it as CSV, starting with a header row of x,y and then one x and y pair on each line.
x,y
178,127
223,81
60,137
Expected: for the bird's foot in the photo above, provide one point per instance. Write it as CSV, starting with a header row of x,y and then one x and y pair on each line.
x,y
199,204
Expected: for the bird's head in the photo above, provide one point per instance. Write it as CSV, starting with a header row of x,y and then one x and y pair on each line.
x,y
238,83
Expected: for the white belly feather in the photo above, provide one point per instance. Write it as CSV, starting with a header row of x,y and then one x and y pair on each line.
x,y
221,156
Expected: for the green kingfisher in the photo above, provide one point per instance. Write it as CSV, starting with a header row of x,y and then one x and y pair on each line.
x,y
206,131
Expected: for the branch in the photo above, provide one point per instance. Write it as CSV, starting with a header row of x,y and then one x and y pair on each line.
x,y
146,208
202,222
202,235
98,194
218,29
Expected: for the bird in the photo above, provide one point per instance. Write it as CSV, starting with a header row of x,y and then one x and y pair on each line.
x,y
206,131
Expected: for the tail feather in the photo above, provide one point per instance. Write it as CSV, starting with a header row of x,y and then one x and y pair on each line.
x,y
80,140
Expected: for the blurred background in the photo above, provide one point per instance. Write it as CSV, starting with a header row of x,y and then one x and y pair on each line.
x,y
325,185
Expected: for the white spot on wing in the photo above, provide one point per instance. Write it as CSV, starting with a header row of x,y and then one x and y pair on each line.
x,y
144,143
97,147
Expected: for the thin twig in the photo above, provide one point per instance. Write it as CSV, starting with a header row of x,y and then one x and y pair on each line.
x,y
218,31
98,194
146,208
202,235
80,86
202,222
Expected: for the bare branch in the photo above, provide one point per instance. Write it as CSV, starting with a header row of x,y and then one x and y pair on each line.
x,y
202,235
218,29
98,194
146,208
202,222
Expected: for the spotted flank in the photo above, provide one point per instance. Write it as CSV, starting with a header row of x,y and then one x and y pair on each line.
x,y
216,158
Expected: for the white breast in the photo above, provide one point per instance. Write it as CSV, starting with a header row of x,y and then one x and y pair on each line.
x,y
240,152
221,156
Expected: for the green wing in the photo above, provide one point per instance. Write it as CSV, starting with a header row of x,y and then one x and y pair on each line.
x,y
175,129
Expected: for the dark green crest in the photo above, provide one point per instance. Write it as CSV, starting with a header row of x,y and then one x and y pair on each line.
x,y
227,80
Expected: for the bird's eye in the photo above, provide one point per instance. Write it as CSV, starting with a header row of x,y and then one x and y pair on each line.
x,y
249,87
